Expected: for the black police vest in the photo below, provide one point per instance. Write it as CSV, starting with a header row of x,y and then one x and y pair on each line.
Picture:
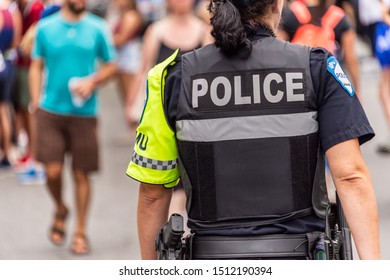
x,y
248,139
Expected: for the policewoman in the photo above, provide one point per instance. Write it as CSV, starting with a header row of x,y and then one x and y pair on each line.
x,y
245,124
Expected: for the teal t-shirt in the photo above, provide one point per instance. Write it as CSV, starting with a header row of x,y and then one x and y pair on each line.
x,y
70,50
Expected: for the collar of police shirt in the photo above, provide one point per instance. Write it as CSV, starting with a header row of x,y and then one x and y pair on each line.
x,y
261,32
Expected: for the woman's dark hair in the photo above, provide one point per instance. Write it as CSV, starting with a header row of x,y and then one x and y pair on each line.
x,y
234,21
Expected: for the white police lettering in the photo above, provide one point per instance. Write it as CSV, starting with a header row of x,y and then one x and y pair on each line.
x,y
248,88
272,97
239,99
256,89
227,93
292,86
199,88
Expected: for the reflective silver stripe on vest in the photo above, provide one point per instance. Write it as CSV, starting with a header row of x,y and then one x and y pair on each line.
x,y
153,163
212,130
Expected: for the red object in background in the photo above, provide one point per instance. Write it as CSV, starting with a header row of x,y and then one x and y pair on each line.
x,y
31,12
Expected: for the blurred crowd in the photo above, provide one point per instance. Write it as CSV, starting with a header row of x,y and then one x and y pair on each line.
x,y
55,55
139,44
146,32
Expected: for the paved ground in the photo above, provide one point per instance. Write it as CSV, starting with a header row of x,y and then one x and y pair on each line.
x,y
26,211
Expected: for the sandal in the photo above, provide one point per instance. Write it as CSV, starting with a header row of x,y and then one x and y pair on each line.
x,y
58,228
80,244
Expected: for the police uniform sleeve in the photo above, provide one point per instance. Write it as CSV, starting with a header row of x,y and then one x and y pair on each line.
x,y
155,156
340,114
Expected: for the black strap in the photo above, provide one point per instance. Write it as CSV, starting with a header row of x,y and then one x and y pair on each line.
x,y
284,246
226,223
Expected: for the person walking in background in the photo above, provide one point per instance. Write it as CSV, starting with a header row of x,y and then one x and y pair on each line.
x,y
183,30
10,32
67,47
341,36
26,45
349,7
127,42
382,52
31,11
29,171
370,14
179,29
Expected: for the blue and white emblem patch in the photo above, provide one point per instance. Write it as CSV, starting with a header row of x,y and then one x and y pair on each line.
x,y
335,69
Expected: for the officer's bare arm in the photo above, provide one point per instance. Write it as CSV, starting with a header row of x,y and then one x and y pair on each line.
x,y
152,214
354,187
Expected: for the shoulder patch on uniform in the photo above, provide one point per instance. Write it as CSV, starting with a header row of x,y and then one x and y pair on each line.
x,y
335,69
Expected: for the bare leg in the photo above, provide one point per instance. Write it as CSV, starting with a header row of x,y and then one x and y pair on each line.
x,y
125,81
23,123
32,136
28,126
129,98
83,189
54,184
122,87
5,126
385,93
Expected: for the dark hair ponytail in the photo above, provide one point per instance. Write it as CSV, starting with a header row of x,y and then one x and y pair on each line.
x,y
233,22
228,30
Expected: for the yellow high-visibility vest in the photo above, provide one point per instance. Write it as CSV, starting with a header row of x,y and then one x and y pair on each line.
x,y
155,157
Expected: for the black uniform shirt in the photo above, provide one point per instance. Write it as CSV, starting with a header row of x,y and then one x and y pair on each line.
x,y
340,117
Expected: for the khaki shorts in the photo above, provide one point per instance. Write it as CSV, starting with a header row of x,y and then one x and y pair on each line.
x,y
58,135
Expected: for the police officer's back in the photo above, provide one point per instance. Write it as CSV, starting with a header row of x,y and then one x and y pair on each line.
x,y
245,124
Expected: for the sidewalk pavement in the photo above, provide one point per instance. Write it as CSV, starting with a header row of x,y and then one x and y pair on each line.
x,y
26,212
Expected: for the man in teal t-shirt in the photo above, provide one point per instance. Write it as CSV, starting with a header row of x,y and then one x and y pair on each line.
x,y
68,47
